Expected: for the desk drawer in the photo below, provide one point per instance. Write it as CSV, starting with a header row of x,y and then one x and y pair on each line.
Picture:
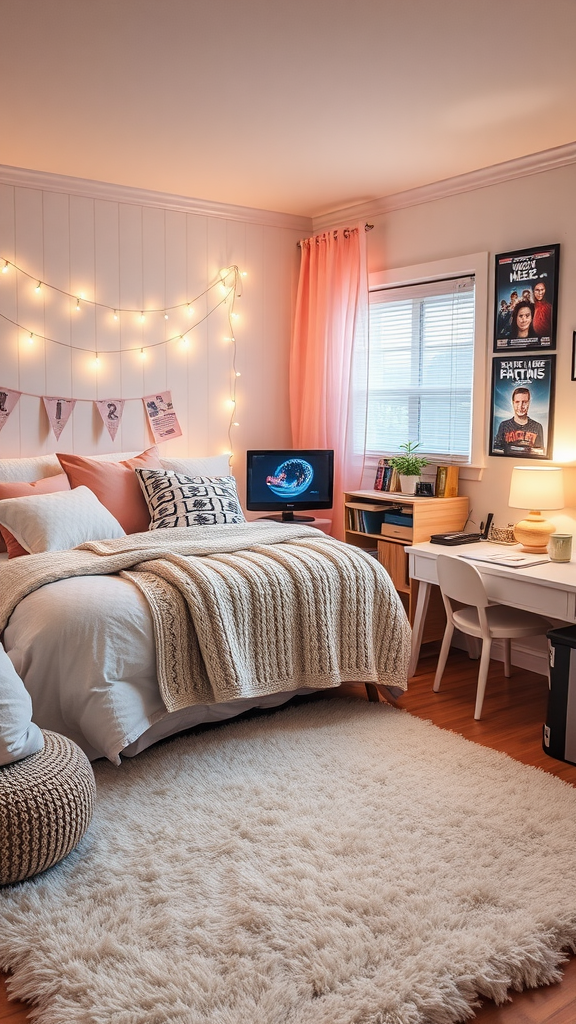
x,y
422,568
530,595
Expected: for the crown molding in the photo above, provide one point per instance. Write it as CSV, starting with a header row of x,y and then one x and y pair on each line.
x,y
22,177
535,163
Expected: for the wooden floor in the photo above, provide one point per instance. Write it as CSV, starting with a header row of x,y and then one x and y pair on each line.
x,y
514,711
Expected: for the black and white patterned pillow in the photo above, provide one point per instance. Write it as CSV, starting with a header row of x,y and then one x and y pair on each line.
x,y
174,499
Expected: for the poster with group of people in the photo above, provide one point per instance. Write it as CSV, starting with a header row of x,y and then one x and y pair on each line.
x,y
525,313
526,297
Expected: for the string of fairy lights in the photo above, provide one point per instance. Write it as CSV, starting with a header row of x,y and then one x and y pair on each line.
x,y
228,281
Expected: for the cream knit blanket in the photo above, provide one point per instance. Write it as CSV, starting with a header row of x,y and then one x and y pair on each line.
x,y
245,610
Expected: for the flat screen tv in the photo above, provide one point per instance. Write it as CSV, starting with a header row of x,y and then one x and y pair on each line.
x,y
285,481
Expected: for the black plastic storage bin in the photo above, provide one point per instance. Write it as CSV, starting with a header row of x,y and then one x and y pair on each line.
x,y
559,732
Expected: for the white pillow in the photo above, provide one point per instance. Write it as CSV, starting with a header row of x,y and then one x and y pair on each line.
x,y
29,469
19,736
56,522
202,465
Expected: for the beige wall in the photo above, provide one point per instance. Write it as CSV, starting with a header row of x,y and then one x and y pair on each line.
x,y
125,248
532,210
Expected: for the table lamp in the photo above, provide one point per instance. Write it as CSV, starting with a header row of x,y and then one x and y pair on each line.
x,y
536,488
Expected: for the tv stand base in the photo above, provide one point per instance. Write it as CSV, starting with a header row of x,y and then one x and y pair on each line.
x,y
290,517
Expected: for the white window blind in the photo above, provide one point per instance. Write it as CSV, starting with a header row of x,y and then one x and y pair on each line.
x,y
421,363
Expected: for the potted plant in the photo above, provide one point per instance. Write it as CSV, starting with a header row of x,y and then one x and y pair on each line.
x,y
409,466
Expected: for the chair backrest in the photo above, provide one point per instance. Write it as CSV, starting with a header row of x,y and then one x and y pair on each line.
x,y
461,581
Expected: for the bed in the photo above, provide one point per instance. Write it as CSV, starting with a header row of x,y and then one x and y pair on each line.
x,y
124,635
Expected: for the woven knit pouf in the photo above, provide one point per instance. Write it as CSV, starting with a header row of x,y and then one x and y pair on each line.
x,y
46,804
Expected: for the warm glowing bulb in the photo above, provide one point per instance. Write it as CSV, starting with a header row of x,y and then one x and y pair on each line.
x,y
142,354
235,316
96,360
231,402
185,341
237,374
77,305
235,424
38,286
243,273
115,314
5,267
190,310
31,339
142,317
165,316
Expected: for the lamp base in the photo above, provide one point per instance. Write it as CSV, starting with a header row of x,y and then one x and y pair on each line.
x,y
533,533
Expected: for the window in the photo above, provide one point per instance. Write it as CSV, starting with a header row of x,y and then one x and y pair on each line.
x,y
426,373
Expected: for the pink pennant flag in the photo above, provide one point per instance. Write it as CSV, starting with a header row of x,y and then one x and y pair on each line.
x,y
8,400
111,410
58,411
161,415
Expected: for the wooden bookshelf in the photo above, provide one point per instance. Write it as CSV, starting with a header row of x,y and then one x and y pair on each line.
x,y
387,522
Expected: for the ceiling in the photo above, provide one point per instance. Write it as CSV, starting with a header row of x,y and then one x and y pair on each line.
x,y
296,106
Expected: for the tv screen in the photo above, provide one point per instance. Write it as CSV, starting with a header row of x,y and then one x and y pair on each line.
x,y
285,481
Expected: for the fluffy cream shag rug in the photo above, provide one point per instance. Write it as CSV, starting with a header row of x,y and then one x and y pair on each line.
x,y
336,862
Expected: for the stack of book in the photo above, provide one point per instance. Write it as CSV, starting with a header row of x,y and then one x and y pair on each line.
x,y
386,477
365,518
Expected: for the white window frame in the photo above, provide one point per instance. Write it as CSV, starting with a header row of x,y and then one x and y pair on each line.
x,y
457,266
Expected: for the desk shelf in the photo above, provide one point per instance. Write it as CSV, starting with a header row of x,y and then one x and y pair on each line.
x,y
418,518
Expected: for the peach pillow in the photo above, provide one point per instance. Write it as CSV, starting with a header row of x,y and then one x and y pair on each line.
x,y
115,484
18,489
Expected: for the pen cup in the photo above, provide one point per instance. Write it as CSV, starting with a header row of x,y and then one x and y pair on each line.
x,y
560,547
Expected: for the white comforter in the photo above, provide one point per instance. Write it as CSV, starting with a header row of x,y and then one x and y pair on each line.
x,y
84,644
92,674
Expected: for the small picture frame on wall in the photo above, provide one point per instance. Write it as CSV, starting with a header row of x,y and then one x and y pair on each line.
x,y
522,406
526,299
573,375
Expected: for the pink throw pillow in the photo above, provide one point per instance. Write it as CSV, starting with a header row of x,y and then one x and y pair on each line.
x,y
115,484
19,489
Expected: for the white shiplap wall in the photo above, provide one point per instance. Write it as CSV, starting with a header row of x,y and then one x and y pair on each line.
x,y
125,248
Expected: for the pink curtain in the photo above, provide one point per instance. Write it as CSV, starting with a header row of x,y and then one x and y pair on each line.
x,y
328,356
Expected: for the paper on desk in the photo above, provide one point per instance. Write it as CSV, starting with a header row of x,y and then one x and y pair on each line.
x,y
513,560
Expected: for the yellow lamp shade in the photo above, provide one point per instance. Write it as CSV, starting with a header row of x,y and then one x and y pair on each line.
x,y
536,488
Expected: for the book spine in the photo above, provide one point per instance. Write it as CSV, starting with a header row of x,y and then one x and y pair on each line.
x,y
451,488
379,474
440,488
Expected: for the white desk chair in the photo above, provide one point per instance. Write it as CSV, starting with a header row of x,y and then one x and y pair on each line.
x,y
461,585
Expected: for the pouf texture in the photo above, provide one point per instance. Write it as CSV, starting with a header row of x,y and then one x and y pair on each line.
x,y
46,804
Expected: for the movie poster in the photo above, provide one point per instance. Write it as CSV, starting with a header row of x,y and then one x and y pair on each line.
x,y
521,421
526,299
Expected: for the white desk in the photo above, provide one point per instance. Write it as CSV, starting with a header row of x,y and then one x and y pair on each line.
x,y
548,588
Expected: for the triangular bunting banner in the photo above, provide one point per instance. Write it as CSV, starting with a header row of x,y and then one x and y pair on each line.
x,y
59,411
8,400
111,410
161,415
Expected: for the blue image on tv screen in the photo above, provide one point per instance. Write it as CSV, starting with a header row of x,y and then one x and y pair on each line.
x,y
291,478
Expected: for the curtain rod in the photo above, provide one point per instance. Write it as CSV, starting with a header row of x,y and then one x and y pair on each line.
x,y
367,227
